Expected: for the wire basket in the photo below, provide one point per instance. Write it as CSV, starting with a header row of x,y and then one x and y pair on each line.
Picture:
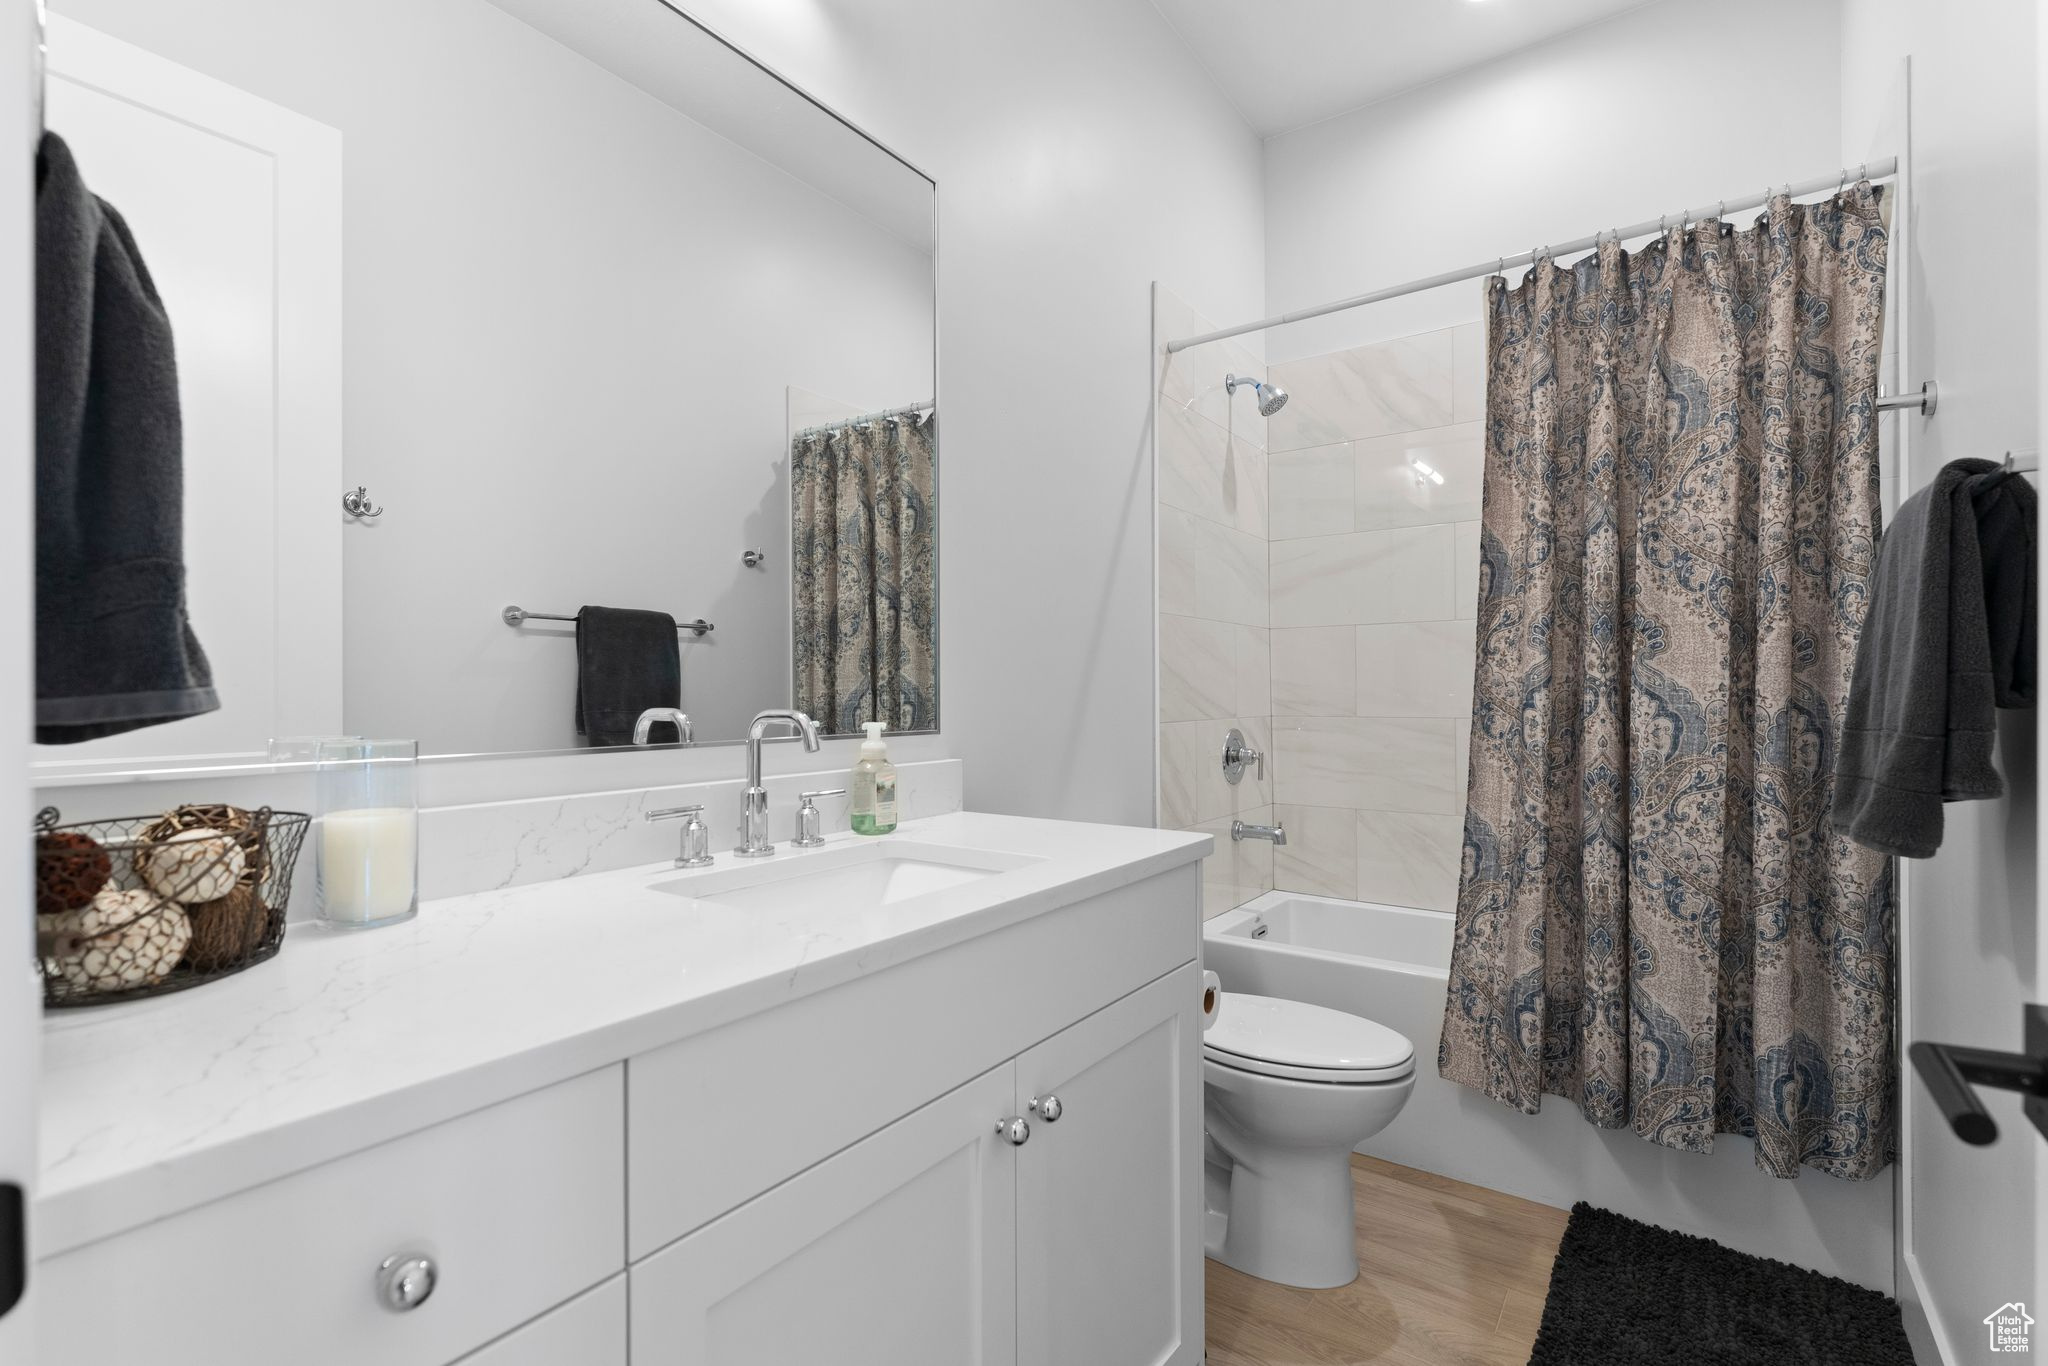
x,y
147,905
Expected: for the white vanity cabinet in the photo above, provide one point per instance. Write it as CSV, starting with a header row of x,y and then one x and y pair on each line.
x,y
983,1152
899,1251
516,1207
1109,1260
995,1225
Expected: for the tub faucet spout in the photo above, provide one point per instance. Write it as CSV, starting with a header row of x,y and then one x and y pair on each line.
x,y
1239,830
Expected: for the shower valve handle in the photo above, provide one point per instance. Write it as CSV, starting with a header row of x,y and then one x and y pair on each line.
x,y
1237,752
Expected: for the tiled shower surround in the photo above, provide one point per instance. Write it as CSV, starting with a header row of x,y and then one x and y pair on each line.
x,y
1318,581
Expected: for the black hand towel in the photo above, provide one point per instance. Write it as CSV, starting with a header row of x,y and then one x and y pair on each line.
x,y
2005,506
114,651
1931,668
626,662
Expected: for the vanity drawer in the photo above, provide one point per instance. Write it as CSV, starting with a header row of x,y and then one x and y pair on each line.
x,y
519,1207
589,1330
716,1119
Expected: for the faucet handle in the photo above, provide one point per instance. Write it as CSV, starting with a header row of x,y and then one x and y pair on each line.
x,y
696,848
810,821
1237,752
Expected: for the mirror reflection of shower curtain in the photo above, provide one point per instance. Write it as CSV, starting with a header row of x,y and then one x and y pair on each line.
x,y
865,605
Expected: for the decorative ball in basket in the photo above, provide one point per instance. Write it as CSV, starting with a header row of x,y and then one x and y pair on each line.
x,y
153,904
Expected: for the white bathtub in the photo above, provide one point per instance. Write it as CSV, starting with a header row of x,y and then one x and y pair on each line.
x,y
1387,963
1393,966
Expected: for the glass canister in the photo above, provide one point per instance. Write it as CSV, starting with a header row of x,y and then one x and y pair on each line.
x,y
369,831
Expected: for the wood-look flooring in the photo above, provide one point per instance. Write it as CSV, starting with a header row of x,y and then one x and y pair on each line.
x,y
1449,1275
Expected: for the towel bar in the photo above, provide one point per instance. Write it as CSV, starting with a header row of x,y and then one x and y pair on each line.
x,y
514,615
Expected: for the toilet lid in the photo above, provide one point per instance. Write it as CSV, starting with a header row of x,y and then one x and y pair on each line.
x,y
1303,1041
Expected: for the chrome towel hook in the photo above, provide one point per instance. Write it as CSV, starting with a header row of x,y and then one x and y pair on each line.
x,y
357,503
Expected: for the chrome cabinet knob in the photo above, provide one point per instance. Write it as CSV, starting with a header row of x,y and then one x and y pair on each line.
x,y
405,1280
1016,1129
1047,1108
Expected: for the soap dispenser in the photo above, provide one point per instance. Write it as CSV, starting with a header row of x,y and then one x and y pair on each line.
x,y
874,785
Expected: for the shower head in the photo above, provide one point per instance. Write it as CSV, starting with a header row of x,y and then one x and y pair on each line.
x,y
1272,398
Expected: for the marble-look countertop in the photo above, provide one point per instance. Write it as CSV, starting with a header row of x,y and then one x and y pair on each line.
x,y
347,1039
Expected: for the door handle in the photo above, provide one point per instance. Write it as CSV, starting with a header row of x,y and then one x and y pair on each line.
x,y
1950,1071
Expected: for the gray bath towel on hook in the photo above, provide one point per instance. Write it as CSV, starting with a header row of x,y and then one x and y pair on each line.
x,y
1948,637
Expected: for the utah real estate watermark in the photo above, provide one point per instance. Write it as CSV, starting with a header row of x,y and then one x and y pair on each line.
x,y
2008,1327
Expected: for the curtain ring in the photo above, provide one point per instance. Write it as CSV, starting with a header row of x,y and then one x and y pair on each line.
x,y
1843,181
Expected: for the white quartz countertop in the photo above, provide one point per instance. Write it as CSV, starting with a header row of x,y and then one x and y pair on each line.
x,y
349,1039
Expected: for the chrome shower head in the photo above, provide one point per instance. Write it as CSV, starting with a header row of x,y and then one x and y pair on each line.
x,y
1272,398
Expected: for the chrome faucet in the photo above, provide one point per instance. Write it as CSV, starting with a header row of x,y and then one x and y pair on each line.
x,y
1240,830
643,727
754,801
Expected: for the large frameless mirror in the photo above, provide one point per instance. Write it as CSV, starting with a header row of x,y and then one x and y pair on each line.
x,y
540,363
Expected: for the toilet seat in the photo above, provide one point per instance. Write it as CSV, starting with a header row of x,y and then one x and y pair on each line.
x,y
1267,1036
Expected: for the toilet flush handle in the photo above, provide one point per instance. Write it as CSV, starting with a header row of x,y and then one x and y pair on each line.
x,y
1047,1108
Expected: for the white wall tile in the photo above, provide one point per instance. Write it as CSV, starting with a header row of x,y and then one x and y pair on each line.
x,y
1192,788
1315,581
1254,671
1321,854
1402,574
1468,365
1203,471
1464,757
1367,763
1210,571
1194,378
1415,669
1396,386
1198,668
1390,491
1312,491
1466,599
1405,859
1315,671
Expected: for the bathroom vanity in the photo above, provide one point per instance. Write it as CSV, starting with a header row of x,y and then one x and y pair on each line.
x,y
931,1098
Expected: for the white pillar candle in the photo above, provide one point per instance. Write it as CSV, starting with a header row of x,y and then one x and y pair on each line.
x,y
369,863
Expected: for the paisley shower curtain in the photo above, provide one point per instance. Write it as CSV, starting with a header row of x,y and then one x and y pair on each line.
x,y
866,609
1655,920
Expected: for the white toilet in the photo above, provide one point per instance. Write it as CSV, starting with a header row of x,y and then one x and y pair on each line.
x,y
1288,1090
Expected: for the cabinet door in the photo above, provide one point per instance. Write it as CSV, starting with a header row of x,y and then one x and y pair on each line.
x,y
1109,1249
589,1330
898,1251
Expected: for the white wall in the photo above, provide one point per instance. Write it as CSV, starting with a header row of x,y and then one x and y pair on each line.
x,y
1656,110
1653,110
1973,928
1080,153
571,319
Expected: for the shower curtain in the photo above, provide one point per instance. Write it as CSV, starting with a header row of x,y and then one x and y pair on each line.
x,y
1680,520
865,602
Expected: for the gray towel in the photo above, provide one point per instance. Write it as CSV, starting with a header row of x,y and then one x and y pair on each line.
x,y
114,651
1954,574
626,661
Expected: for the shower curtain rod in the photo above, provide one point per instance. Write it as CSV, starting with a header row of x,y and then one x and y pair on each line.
x,y
1873,170
905,411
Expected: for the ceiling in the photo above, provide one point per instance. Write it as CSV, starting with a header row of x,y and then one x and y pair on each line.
x,y
1285,63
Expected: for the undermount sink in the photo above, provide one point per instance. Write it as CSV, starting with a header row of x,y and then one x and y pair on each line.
x,y
850,877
